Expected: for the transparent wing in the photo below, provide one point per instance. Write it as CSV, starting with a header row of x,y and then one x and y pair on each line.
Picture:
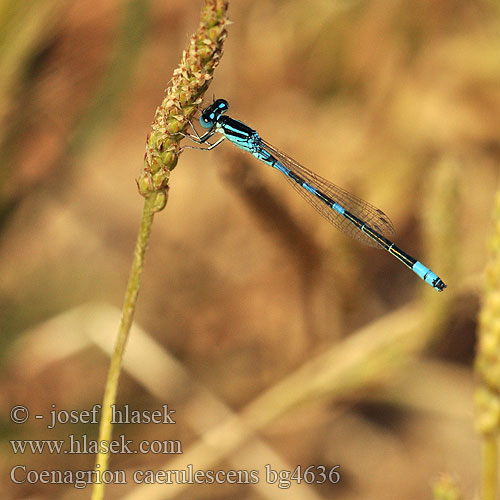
x,y
369,214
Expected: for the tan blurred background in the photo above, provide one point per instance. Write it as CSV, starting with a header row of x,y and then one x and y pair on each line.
x,y
245,286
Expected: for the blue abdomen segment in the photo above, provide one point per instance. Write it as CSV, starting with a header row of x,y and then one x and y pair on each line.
x,y
338,208
302,183
428,276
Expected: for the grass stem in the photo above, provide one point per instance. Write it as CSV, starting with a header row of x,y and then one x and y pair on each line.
x,y
111,389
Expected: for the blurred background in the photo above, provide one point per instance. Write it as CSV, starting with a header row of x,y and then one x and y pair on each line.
x,y
277,339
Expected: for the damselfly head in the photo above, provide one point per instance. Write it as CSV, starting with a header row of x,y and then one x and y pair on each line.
x,y
211,113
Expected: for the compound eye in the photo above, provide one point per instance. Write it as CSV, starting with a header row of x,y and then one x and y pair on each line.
x,y
206,121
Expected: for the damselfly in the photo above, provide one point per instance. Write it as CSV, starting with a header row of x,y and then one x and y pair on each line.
x,y
348,213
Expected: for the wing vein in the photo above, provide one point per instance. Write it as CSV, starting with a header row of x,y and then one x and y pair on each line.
x,y
369,214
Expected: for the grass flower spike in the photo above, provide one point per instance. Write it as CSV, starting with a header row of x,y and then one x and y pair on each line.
x,y
488,368
190,81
